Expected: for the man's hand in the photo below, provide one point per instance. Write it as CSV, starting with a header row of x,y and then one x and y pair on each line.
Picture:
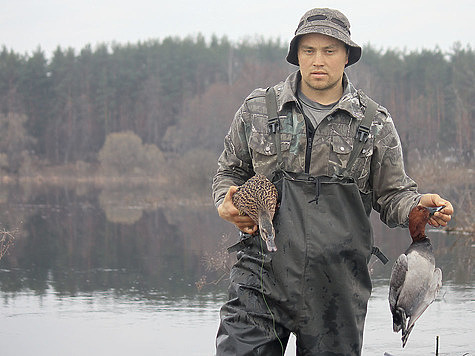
x,y
228,212
442,217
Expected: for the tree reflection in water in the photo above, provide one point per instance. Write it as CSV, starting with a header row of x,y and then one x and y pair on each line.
x,y
97,262
134,240
128,240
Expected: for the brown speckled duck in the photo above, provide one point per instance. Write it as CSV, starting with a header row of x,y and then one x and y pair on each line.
x,y
258,199
415,282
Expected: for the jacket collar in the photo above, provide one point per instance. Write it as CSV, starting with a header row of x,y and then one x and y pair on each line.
x,y
349,101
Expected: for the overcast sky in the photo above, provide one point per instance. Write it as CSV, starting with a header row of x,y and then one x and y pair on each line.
x,y
402,24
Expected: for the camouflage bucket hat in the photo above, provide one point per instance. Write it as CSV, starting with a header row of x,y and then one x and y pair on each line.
x,y
328,22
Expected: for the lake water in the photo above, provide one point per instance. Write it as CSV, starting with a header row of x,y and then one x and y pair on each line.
x,y
115,272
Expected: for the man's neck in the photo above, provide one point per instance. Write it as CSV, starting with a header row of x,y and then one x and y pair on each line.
x,y
326,96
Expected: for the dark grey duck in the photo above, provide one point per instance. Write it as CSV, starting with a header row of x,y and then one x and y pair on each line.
x,y
415,281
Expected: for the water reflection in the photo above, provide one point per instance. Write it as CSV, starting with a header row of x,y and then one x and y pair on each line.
x,y
117,239
126,205
127,239
132,251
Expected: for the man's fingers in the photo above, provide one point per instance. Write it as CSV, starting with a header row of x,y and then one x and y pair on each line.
x,y
229,194
249,229
445,215
442,217
244,221
229,212
439,219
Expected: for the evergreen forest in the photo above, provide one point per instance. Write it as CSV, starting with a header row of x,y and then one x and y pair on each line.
x,y
161,108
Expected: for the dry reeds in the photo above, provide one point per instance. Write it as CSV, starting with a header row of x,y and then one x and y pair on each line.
x,y
7,239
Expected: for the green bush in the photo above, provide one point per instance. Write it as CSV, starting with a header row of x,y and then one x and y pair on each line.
x,y
124,154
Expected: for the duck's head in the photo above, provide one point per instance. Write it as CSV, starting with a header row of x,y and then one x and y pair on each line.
x,y
266,229
418,218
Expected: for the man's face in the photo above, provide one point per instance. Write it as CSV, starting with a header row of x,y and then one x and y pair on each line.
x,y
322,60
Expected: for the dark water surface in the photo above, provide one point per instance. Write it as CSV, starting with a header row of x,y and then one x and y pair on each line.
x,y
114,272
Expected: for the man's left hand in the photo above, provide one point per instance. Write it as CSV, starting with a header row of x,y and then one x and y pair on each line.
x,y
442,217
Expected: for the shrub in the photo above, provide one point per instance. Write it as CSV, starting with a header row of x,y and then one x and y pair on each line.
x,y
124,154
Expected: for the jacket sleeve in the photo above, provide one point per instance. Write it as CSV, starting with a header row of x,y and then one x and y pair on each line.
x,y
394,192
234,164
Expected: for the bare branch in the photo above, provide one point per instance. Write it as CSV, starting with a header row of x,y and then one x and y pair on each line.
x,y
7,239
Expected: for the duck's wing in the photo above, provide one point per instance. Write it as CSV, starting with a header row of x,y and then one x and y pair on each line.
x,y
429,297
398,276
396,283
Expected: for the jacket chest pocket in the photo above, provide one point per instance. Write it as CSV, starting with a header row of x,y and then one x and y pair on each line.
x,y
264,151
262,145
341,148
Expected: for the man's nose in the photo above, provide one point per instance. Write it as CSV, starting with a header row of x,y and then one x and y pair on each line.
x,y
318,59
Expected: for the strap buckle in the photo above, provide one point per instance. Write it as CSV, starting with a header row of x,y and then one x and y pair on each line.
x,y
362,133
273,124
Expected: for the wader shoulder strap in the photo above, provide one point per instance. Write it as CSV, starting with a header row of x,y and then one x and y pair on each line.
x,y
362,134
273,123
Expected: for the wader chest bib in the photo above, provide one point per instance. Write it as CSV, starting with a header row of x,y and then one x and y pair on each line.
x,y
315,285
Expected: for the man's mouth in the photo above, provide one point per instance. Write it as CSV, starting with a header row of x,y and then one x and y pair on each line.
x,y
318,74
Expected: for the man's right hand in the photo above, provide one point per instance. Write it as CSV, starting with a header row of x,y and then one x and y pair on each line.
x,y
228,212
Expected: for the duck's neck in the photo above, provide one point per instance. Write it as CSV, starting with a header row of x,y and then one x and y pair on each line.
x,y
264,215
423,240
421,236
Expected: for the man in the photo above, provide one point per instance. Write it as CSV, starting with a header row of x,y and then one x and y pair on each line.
x,y
316,284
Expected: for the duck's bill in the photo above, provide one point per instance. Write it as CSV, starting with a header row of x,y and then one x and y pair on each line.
x,y
271,245
433,210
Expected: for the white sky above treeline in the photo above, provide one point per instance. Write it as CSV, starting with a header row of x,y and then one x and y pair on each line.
x,y
407,25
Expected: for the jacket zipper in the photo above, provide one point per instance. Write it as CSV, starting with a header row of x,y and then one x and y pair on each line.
x,y
308,152
310,133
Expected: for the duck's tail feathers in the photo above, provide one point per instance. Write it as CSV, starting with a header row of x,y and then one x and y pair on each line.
x,y
405,335
405,323
399,319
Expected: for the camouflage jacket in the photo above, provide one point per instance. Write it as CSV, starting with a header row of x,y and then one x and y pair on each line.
x,y
249,148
